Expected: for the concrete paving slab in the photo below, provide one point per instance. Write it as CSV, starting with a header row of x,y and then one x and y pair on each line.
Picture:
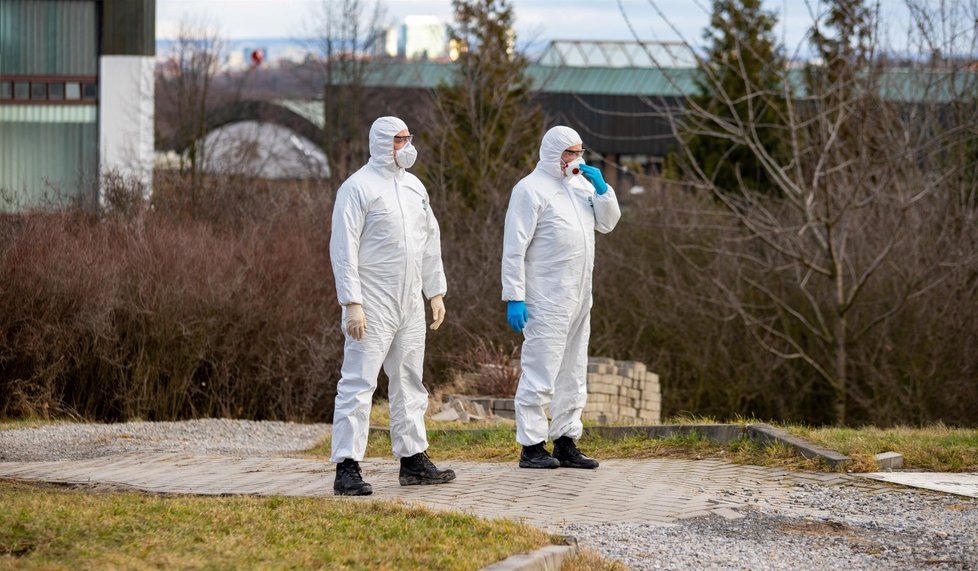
x,y
962,484
620,491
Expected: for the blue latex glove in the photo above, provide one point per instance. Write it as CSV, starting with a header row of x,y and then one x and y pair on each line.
x,y
593,174
516,315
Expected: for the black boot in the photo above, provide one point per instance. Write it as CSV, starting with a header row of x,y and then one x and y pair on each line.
x,y
536,456
348,480
569,456
418,470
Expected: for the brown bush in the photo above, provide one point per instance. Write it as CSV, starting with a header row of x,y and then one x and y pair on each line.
x,y
174,313
219,301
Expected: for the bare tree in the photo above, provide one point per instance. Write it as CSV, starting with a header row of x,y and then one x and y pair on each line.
x,y
819,271
348,35
186,91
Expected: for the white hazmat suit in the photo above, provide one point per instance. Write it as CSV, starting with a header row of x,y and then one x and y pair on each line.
x,y
548,258
386,252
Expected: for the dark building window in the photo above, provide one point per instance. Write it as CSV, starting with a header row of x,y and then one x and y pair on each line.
x,y
43,90
39,90
56,91
22,90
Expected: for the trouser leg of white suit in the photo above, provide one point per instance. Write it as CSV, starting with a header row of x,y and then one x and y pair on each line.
x,y
570,387
358,380
408,397
545,339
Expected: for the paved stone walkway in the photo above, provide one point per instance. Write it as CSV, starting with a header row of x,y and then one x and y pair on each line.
x,y
620,491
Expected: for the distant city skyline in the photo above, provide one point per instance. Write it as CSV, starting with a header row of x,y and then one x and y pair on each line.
x,y
536,20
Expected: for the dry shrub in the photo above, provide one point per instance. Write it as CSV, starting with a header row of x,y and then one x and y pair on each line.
x,y
219,301
650,305
175,313
488,369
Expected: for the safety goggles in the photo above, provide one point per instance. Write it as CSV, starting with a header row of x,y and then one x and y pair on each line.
x,y
404,139
575,153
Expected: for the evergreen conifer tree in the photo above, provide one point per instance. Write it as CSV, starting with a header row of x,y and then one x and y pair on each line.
x,y
743,77
487,129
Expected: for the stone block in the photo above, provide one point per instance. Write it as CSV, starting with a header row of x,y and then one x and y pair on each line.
x,y
446,415
602,388
604,407
484,402
463,415
503,404
889,460
631,369
647,416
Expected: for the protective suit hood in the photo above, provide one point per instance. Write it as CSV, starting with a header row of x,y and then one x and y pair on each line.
x,y
382,143
555,142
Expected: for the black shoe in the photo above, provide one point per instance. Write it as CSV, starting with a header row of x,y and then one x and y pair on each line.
x,y
536,456
566,452
348,480
418,470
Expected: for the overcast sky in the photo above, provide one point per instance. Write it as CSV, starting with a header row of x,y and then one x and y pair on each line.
x,y
539,20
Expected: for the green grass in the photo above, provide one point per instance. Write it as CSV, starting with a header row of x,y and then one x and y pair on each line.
x,y
499,445
13,424
935,448
45,527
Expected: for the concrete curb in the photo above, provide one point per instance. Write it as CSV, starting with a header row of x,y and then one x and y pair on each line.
x,y
768,433
719,433
549,558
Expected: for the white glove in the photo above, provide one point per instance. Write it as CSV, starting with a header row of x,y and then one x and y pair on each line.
x,y
437,311
356,321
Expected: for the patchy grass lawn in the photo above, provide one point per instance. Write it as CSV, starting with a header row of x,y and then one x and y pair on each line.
x,y
936,448
499,445
44,527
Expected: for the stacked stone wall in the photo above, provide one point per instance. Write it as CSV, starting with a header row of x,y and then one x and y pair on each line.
x,y
622,392
619,392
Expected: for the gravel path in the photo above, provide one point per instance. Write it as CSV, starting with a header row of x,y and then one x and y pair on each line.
x,y
209,436
816,528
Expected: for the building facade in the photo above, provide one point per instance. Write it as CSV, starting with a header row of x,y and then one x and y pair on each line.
x,y
76,98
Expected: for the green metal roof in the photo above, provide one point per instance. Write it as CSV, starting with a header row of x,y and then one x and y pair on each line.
x,y
547,79
933,86
613,80
896,85
309,109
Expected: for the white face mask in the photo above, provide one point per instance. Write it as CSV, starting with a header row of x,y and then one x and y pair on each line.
x,y
406,156
574,167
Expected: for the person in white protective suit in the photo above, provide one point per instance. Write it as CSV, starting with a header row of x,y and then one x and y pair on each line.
x,y
548,258
386,253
